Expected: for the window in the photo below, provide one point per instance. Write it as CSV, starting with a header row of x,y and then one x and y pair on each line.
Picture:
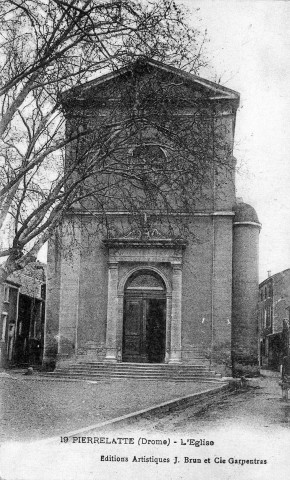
x,y
268,325
4,323
150,162
270,291
43,291
271,317
6,293
261,319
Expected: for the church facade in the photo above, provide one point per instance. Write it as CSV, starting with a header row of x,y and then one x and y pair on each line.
x,y
118,292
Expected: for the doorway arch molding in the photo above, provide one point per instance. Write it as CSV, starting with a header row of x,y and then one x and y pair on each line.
x,y
142,268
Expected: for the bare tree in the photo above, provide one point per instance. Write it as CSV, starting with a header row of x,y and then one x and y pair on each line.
x,y
47,46
145,155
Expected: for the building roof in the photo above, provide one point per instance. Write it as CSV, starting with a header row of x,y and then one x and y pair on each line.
x,y
29,279
276,275
217,91
245,213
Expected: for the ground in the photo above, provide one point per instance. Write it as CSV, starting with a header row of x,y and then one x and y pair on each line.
x,y
241,435
257,405
32,408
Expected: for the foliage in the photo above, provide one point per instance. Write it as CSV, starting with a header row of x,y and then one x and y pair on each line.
x,y
47,46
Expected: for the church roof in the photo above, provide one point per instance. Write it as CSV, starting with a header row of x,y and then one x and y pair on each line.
x,y
215,90
245,213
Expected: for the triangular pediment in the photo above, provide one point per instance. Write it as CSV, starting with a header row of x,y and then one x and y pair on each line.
x,y
97,87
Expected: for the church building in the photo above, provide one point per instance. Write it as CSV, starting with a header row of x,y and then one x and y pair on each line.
x,y
132,282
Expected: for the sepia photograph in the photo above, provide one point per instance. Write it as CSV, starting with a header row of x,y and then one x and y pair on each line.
x,y
144,239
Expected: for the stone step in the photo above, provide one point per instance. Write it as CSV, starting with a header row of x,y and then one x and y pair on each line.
x,y
123,374
100,371
115,372
145,371
174,378
140,364
141,367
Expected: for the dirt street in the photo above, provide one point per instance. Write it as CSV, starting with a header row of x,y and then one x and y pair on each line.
x,y
258,405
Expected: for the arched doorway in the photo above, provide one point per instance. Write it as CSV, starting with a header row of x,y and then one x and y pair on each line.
x,y
144,324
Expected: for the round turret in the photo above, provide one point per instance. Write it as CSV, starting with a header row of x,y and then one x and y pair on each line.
x,y
246,228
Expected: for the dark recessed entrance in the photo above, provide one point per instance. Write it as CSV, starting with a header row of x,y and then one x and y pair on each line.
x,y
144,329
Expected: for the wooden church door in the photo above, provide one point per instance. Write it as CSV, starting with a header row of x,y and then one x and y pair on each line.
x,y
144,324
134,339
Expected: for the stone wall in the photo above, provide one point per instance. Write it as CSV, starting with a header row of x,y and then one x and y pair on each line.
x,y
245,299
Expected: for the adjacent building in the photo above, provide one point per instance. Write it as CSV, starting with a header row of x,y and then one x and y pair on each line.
x,y
274,301
23,314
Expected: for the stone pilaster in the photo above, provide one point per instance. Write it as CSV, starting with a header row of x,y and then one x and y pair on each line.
x,y
112,314
175,331
69,296
168,326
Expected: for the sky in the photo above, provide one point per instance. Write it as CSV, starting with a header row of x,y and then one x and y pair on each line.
x,y
249,50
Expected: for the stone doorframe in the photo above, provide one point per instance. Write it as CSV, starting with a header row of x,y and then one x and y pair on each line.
x,y
125,259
